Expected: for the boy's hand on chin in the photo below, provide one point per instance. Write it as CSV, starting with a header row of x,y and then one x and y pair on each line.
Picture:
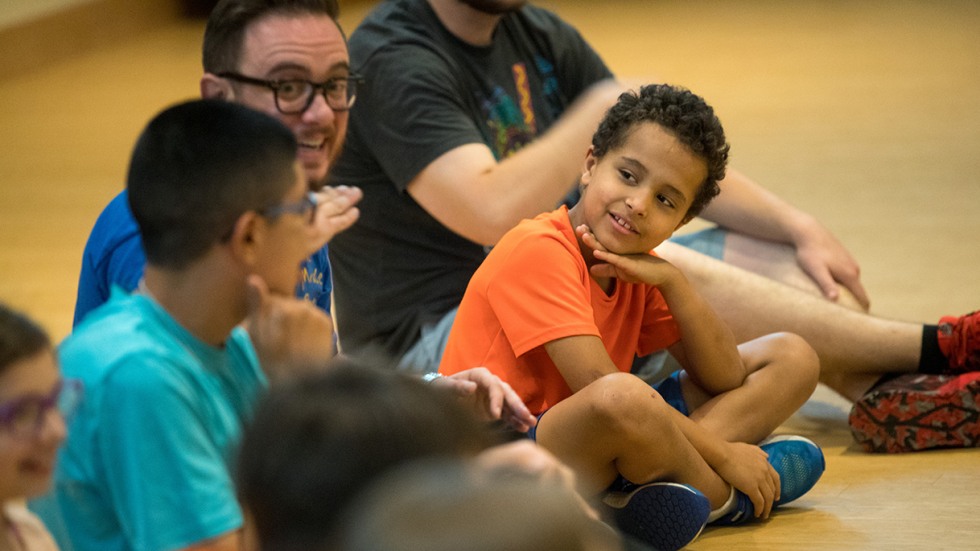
x,y
291,336
632,268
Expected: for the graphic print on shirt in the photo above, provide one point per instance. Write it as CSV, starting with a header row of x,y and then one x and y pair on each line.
x,y
512,121
312,287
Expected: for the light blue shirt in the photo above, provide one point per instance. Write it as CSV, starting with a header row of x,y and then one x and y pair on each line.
x,y
147,462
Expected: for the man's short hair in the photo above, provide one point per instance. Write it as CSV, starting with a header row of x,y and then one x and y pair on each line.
x,y
197,167
684,115
225,30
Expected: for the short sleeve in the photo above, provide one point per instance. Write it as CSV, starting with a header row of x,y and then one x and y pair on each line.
x,y
416,111
168,479
540,293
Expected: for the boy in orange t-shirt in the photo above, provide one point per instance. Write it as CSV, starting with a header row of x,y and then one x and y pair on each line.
x,y
564,302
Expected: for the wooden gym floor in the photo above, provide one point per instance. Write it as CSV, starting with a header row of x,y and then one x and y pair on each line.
x,y
864,113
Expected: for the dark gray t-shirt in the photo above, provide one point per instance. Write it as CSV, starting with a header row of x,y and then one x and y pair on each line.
x,y
426,92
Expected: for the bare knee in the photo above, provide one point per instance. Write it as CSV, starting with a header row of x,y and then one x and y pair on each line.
x,y
627,405
799,361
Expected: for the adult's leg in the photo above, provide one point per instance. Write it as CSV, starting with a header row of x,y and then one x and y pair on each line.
x,y
777,261
783,372
619,426
855,349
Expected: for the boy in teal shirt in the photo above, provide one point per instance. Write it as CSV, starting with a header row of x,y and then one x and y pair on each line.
x,y
170,374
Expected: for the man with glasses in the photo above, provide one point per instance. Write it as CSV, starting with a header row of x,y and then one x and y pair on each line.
x,y
286,59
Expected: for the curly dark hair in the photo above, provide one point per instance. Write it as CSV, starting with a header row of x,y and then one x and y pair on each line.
x,y
682,113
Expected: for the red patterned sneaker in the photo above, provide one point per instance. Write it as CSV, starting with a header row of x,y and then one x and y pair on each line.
x,y
959,340
919,412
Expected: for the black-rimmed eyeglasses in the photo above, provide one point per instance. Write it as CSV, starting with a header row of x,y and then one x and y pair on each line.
x,y
294,96
304,207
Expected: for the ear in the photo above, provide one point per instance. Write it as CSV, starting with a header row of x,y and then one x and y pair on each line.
x,y
247,237
215,87
589,170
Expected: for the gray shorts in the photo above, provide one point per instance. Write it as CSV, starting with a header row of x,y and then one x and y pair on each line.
x,y
424,356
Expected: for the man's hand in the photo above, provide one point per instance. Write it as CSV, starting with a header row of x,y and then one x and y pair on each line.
x,y
826,260
335,212
291,336
492,398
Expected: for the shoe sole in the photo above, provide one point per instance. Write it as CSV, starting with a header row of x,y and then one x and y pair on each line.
x,y
919,412
665,515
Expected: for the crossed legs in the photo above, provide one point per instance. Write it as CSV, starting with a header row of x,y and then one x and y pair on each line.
x,y
619,425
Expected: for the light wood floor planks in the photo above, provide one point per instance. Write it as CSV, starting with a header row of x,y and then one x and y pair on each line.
x,y
864,113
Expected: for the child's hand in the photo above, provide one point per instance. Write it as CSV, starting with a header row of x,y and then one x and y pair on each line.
x,y
634,268
493,399
747,468
290,335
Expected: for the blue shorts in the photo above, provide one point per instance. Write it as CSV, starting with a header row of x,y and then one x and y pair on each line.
x,y
669,389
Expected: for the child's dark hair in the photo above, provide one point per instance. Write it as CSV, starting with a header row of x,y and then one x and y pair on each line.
x,y
197,167
20,338
315,443
682,113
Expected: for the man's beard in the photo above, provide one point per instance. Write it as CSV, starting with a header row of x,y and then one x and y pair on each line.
x,y
495,7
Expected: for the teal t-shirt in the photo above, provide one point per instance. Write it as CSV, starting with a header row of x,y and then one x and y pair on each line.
x,y
147,462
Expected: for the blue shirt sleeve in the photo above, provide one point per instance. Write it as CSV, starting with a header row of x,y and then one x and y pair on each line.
x,y
113,257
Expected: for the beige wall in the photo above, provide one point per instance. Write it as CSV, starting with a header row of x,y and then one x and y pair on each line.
x,y
15,12
34,33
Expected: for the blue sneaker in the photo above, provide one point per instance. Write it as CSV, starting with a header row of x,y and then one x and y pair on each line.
x,y
742,512
799,463
665,515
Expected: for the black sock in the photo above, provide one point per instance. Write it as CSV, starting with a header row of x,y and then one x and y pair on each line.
x,y
932,360
884,379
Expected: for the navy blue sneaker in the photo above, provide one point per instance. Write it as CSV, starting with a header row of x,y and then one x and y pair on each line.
x,y
742,512
799,463
665,515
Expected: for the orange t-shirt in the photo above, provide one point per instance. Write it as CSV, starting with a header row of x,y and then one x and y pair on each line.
x,y
534,288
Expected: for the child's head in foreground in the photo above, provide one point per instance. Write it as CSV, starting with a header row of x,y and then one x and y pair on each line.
x,y
654,164
318,441
31,426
